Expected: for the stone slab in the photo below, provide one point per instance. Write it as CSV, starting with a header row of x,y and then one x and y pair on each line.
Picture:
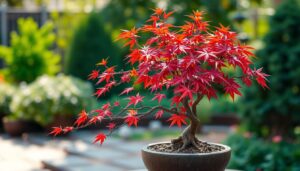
x,y
95,167
98,153
134,162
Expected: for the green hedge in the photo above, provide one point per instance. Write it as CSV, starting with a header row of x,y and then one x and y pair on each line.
x,y
276,110
250,153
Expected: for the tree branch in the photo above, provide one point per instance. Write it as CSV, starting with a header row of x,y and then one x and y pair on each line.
x,y
196,102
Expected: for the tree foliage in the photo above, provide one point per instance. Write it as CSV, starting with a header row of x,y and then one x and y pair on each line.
x,y
189,58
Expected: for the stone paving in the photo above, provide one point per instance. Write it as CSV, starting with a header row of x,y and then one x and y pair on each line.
x,y
38,152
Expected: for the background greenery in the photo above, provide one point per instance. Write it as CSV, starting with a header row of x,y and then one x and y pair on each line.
x,y
29,54
83,34
49,96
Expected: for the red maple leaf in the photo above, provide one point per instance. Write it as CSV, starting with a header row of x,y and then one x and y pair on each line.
x,y
56,131
131,120
135,100
101,91
177,119
247,81
176,100
111,126
184,92
95,119
83,116
159,114
158,11
106,106
127,90
116,103
125,78
94,75
261,78
100,137
167,15
68,129
110,84
103,62
159,97
232,88
107,113
133,73
134,56
130,36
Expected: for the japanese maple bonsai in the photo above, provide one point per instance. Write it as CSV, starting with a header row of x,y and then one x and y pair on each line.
x,y
191,61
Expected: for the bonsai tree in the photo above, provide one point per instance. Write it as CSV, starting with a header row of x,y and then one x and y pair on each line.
x,y
189,59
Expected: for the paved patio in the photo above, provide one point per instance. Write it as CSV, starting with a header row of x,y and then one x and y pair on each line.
x,y
38,152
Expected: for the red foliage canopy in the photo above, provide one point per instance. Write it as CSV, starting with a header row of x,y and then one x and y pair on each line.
x,y
190,59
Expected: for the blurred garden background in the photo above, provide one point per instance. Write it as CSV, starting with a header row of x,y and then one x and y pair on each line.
x,y
49,47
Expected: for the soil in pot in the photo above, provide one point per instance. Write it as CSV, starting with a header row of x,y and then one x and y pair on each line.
x,y
203,147
205,157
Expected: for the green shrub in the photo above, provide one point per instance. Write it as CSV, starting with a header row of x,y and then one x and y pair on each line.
x,y
49,96
6,93
276,111
89,45
253,154
28,55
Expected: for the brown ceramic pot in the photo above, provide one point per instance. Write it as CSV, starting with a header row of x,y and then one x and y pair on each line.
x,y
18,127
159,161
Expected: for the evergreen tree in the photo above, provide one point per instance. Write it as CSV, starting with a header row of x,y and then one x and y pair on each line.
x,y
90,44
276,111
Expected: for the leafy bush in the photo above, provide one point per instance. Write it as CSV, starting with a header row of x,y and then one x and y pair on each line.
x,y
29,56
250,153
90,44
6,93
49,96
277,111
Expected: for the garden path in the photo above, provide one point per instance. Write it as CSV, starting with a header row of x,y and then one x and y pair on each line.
x,y
38,152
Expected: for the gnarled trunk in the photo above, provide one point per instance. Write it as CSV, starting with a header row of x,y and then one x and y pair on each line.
x,y
188,136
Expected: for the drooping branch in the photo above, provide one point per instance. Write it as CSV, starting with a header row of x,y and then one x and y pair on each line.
x,y
138,115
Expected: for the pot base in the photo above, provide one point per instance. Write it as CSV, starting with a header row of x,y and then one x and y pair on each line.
x,y
161,161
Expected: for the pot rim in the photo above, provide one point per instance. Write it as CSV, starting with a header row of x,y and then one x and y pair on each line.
x,y
227,149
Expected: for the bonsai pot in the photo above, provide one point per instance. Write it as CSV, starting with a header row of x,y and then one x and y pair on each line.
x,y
18,127
163,161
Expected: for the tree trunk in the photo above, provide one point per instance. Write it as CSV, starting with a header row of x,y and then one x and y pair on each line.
x,y
188,136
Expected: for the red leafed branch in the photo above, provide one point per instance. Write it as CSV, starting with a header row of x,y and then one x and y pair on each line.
x,y
189,60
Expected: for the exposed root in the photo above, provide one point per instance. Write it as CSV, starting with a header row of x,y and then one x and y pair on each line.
x,y
186,140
